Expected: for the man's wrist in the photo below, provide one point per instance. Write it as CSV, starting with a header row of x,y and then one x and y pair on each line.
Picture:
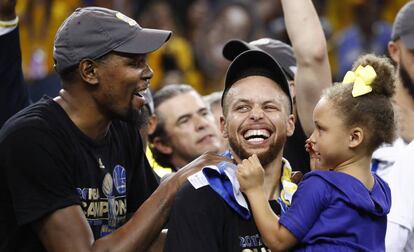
x,y
254,191
9,23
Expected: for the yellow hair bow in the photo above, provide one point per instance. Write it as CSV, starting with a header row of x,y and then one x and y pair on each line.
x,y
362,78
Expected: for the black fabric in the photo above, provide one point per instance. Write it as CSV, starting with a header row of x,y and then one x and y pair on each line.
x,y
295,152
13,91
47,163
201,221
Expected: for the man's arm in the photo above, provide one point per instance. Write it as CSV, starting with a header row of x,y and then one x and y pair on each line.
x,y
309,44
67,229
13,91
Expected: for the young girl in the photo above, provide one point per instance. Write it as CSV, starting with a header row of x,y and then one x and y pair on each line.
x,y
341,206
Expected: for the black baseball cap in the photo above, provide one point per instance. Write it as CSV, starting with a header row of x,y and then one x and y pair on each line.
x,y
280,51
265,64
403,27
92,32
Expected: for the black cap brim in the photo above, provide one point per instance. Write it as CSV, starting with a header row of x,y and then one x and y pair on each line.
x,y
145,41
235,46
257,59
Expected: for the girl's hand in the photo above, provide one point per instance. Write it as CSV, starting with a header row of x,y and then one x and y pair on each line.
x,y
250,174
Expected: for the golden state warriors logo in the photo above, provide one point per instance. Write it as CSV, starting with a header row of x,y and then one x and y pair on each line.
x,y
119,177
126,19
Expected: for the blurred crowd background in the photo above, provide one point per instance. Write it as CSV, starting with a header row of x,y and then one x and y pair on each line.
x,y
201,28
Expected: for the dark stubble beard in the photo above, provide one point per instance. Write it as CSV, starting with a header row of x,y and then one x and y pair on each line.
x,y
406,81
264,157
138,117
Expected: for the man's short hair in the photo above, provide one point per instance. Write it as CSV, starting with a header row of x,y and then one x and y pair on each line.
x,y
213,98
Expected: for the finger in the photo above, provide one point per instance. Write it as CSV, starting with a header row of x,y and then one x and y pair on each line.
x,y
256,161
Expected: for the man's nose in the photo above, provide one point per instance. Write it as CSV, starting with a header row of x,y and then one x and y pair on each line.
x,y
256,113
147,72
200,122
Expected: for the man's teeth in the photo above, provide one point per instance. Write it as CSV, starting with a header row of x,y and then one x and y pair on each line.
x,y
257,133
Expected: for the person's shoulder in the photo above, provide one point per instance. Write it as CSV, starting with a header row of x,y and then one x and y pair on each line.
x,y
201,197
188,190
317,176
39,115
317,181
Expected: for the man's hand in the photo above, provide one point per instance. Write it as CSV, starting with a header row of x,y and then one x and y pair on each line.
x,y
7,10
250,174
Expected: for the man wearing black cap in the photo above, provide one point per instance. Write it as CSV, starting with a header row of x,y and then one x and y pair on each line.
x,y
399,172
257,119
306,66
210,213
73,167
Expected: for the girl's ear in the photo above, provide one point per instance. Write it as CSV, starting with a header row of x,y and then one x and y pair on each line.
x,y
356,137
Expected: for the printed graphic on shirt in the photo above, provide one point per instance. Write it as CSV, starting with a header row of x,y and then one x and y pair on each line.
x,y
105,208
252,243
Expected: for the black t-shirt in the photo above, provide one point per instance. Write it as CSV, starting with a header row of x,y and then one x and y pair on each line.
x,y
47,163
201,220
295,152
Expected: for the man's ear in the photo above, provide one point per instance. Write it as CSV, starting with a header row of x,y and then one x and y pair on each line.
x,y
290,125
292,89
223,127
356,136
152,124
87,70
162,147
394,51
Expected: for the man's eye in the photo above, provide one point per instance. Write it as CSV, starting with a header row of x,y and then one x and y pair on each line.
x,y
271,108
137,63
183,121
242,108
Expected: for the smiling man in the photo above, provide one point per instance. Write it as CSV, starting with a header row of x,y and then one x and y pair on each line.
x,y
258,118
75,177
186,127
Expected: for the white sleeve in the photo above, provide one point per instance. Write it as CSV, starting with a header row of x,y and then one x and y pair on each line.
x,y
409,247
402,187
8,26
396,237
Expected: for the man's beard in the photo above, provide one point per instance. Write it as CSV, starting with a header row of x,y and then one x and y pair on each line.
x,y
135,117
406,81
265,157
140,117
